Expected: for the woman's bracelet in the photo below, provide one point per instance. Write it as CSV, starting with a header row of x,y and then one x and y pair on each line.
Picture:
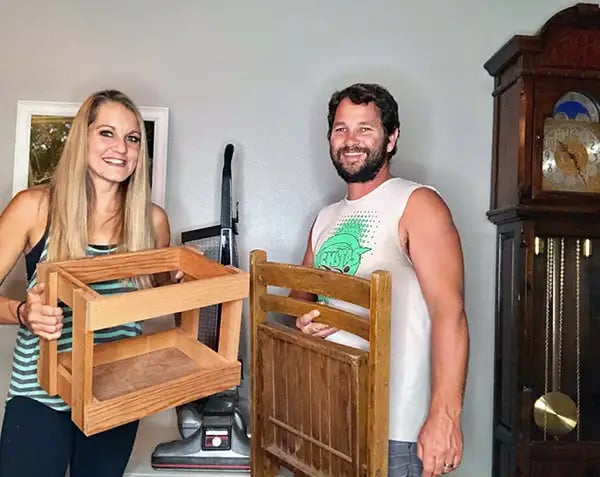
x,y
19,313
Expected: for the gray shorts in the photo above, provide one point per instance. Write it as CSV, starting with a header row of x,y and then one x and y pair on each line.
x,y
403,460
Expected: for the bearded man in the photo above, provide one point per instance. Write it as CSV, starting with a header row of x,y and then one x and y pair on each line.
x,y
390,223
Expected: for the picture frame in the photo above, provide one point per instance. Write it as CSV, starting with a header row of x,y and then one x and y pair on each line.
x,y
42,128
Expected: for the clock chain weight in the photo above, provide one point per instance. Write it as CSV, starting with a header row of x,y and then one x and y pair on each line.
x,y
555,413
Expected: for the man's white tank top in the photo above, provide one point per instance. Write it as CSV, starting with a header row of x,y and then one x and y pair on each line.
x,y
360,236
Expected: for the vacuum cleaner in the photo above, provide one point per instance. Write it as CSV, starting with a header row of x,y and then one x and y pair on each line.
x,y
214,433
214,438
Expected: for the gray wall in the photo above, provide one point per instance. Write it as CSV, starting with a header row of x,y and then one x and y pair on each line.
x,y
259,73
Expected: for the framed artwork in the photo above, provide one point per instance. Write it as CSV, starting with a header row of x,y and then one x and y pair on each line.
x,y
43,127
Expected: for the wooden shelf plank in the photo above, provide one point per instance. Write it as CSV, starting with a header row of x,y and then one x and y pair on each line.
x,y
314,280
196,265
126,366
121,265
113,310
125,376
125,348
103,415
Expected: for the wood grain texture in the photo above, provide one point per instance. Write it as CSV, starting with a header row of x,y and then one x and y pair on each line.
x,y
379,371
190,322
319,408
229,332
113,310
320,282
260,462
83,360
126,348
67,284
64,384
103,415
110,384
312,396
196,265
122,377
329,315
47,361
121,265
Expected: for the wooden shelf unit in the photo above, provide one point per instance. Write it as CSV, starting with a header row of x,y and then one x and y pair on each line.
x,y
113,383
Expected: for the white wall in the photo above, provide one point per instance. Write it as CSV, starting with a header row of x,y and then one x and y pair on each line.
x,y
260,74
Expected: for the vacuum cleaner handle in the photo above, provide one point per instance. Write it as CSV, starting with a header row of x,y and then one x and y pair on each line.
x,y
226,215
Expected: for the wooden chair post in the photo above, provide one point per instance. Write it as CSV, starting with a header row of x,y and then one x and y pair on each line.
x,y
260,462
379,370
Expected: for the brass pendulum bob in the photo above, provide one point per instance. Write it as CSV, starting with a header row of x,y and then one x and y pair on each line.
x,y
555,412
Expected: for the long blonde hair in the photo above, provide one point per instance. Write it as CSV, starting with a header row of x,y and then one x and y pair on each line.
x,y
72,198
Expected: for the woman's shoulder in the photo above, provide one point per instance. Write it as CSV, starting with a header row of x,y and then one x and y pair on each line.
x,y
33,202
158,214
24,218
160,223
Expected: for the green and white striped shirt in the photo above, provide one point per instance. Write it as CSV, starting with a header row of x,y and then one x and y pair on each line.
x,y
24,379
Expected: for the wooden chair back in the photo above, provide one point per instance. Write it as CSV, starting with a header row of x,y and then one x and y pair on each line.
x,y
318,408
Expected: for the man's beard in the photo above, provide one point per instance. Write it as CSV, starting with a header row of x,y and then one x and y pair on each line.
x,y
374,161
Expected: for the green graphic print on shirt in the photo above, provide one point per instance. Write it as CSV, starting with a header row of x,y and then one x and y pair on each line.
x,y
344,248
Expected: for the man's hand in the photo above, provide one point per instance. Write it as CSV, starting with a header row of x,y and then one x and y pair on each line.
x,y
306,324
440,444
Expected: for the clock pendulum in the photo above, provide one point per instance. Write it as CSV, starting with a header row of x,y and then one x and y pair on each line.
x,y
555,412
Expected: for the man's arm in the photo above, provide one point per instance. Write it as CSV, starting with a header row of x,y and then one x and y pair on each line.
x,y
433,244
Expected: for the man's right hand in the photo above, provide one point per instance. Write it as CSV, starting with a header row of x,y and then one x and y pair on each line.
x,y
43,320
306,324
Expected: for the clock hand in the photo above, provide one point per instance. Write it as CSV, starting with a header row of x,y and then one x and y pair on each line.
x,y
565,149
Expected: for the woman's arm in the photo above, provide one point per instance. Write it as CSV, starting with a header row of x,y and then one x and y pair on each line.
x,y
162,231
16,223
162,234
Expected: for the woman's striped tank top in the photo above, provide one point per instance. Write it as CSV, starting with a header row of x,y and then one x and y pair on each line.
x,y
24,380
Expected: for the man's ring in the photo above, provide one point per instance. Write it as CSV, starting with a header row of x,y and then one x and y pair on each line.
x,y
448,466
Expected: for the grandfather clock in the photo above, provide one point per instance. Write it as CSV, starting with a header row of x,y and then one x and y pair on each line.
x,y
545,202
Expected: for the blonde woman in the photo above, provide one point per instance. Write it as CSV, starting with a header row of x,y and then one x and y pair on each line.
x,y
98,203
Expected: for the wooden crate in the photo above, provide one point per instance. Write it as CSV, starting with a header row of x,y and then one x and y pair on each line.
x,y
110,384
319,408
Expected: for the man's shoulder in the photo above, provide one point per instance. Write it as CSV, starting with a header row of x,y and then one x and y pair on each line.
x,y
327,215
331,207
426,204
400,183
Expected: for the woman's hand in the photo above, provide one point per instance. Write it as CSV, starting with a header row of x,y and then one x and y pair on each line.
x,y
42,320
168,278
306,324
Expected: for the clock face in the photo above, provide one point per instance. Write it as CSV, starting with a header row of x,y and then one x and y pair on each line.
x,y
571,156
